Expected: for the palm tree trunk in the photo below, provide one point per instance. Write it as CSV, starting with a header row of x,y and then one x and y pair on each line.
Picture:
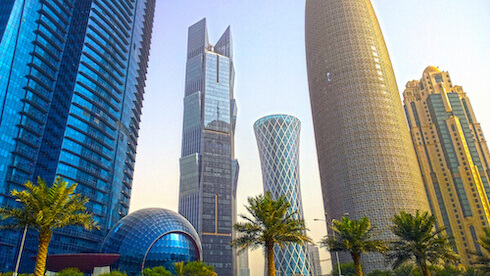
x,y
42,253
425,270
271,269
179,268
357,263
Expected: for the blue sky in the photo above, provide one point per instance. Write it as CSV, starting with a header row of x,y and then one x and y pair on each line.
x,y
270,66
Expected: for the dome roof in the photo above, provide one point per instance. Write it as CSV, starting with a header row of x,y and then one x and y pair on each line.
x,y
152,237
431,69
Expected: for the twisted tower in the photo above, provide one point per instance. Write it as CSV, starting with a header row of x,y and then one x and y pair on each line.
x,y
278,142
367,163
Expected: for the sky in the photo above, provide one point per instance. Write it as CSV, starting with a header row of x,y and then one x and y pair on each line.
x,y
270,65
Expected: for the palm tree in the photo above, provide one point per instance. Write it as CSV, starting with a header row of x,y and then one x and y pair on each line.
x,y
46,209
483,259
270,224
355,237
418,239
179,268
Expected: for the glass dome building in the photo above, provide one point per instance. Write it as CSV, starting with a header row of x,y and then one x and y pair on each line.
x,y
152,237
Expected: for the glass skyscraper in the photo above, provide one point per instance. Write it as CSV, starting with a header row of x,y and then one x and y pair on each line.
x,y
72,77
208,170
278,143
453,156
366,160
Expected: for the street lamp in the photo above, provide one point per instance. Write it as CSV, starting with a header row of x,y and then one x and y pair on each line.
x,y
20,251
331,227
16,272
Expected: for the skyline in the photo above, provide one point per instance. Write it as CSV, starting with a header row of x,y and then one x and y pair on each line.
x,y
270,64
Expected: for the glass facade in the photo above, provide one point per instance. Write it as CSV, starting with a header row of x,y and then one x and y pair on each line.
x,y
278,143
72,75
208,170
152,237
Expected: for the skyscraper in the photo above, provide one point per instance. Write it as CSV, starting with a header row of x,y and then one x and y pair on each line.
x,y
453,157
208,170
72,77
278,143
242,263
367,163
314,253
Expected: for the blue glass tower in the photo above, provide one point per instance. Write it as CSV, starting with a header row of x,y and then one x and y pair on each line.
x,y
208,170
72,76
278,143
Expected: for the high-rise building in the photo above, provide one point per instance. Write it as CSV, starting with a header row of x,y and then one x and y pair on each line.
x,y
367,164
314,253
72,77
208,170
278,143
242,263
453,156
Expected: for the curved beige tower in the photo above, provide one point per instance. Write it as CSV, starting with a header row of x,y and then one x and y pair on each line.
x,y
366,159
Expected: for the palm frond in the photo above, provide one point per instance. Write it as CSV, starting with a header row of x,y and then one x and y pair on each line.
x,y
270,221
44,207
354,236
419,241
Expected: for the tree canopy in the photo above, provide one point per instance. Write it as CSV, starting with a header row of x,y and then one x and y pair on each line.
x,y
46,208
419,241
355,237
271,223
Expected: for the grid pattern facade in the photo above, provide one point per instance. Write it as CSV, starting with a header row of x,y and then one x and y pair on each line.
x,y
208,170
278,143
453,157
152,237
367,164
71,90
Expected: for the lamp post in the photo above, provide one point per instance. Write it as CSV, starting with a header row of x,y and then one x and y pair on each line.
x,y
331,227
20,252
16,272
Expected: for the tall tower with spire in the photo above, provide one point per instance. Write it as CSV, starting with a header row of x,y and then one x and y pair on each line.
x,y
208,170
367,164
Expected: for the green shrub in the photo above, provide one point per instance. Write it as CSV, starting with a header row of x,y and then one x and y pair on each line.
x,y
71,271
156,271
198,269
114,273
347,269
